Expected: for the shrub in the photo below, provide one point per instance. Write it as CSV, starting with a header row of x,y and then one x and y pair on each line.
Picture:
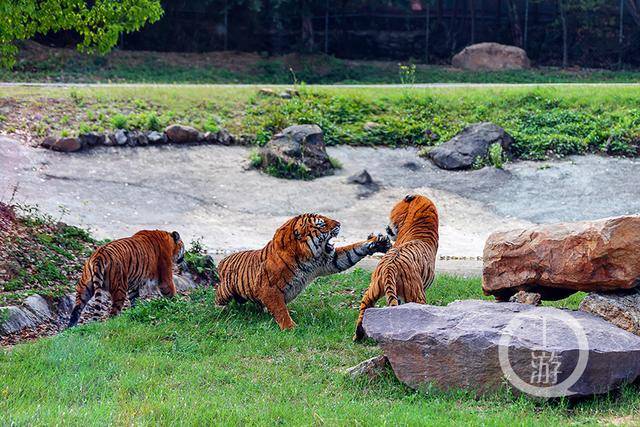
x,y
200,264
119,121
495,155
153,123
255,158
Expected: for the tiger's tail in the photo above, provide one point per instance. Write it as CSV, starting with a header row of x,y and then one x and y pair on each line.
x,y
385,283
92,279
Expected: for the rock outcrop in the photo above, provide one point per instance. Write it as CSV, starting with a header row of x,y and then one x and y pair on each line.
x,y
484,346
556,260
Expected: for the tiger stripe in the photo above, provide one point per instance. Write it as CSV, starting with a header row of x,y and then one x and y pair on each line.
x,y
407,270
299,251
122,266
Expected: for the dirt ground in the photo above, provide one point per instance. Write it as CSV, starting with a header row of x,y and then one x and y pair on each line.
x,y
208,192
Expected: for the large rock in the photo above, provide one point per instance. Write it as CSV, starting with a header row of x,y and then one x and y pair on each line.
x,y
472,143
620,308
483,346
182,134
298,151
17,318
491,57
557,260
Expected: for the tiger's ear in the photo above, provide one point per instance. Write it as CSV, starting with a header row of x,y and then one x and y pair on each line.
x,y
176,236
409,197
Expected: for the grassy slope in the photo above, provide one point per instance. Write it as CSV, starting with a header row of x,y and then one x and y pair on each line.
x,y
187,362
38,63
545,121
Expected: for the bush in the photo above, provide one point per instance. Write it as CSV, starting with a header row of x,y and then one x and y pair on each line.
x,y
495,155
200,264
119,121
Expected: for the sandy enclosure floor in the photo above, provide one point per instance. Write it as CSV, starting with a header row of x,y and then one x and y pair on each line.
x,y
207,192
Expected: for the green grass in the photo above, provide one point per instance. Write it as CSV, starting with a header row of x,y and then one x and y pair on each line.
x,y
545,121
61,65
188,362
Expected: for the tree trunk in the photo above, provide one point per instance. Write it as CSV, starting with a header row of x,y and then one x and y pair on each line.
x,y
514,20
427,29
226,25
472,13
326,27
525,37
565,42
307,27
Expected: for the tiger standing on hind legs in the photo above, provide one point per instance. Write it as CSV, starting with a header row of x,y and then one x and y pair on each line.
x,y
122,266
300,251
406,271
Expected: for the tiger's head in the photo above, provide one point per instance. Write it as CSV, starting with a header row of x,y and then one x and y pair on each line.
x,y
178,248
310,233
414,213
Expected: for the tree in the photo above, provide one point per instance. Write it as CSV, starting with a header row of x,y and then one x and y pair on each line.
x,y
99,23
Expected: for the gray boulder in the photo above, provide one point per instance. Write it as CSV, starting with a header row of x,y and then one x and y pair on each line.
x,y
620,308
472,143
484,346
17,319
137,137
299,151
119,137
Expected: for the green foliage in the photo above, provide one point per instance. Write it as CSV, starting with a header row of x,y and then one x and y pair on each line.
x,y
495,155
99,23
335,163
185,361
119,121
281,169
407,74
201,264
153,123
4,314
255,158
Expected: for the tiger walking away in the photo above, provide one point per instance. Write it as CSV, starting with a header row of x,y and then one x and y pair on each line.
x,y
300,251
122,266
406,271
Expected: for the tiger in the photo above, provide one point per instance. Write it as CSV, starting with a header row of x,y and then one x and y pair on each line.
x,y
406,271
122,266
299,251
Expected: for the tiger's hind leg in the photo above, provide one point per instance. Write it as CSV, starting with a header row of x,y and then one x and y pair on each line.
x,y
118,298
82,298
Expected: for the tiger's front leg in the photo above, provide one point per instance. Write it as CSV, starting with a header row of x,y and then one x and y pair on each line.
x,y
346,257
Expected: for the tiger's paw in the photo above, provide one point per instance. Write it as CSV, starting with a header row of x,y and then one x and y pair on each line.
x,y
378,243
359,334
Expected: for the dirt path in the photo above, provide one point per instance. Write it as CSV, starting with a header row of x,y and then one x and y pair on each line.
x,y
206,192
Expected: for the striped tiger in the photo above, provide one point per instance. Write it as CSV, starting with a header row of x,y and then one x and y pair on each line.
x,y
300,251
408,269
122,266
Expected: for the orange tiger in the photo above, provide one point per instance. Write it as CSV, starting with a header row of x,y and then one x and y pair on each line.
x,y
300,251
407,269
122,266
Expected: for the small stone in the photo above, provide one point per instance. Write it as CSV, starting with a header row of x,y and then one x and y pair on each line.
x,y
362,178
119,137
369,126
92,138
523,297
370,368
620,308
67,145
292,92
285,95
267,92
138,138
182,134
155,137
431,135
48,142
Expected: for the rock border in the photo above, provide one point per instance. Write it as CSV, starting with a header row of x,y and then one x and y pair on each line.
x,y
172,134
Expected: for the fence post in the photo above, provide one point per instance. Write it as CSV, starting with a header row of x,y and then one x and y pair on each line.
x,y
621,34
426,32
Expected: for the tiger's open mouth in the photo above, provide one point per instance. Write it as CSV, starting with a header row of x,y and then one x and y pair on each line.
x,y
328,246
